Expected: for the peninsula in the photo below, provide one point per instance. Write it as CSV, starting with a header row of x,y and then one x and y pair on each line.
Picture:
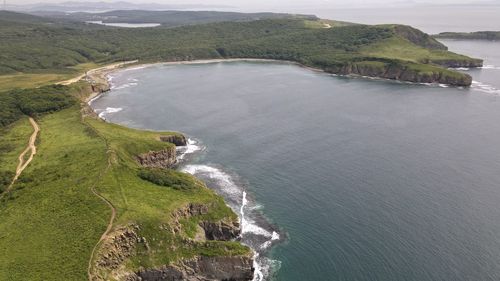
x,y
479,35
386,51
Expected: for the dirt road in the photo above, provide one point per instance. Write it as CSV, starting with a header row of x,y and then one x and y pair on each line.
x,y
24,163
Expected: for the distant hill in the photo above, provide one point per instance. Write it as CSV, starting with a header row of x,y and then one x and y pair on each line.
x,y
479,35
170,18
99,6
30,44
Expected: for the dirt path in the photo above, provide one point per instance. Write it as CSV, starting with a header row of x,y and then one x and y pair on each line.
x,y
111,219
22,163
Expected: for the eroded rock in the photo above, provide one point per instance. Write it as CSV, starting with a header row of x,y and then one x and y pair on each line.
x,y
165,158
178,140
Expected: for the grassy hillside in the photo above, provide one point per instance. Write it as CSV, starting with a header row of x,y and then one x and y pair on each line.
x,y
51,221
336,48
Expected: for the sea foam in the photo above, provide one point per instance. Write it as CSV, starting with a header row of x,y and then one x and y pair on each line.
x,y
108,111
485,88
252,233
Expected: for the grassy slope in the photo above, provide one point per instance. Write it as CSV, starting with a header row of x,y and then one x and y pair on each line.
x,y
51,221
13,141
33,80
150,205
400,48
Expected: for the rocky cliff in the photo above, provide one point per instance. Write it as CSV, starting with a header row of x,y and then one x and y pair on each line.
x,y
121,245
200,269
164,158
221,230
178,140
403,72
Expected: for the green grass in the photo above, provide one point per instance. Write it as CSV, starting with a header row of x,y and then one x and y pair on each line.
x,y
51,220
149,204
401,49
13,141
34,80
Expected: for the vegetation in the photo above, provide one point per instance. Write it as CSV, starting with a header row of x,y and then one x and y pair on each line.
x,y
32,102
479,35
173,18
52,219
60,45
169,178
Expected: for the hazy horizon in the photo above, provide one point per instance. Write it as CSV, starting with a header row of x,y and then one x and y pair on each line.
x,y
263,4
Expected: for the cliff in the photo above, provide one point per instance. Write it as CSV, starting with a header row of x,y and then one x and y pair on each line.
x,y
409,72
164,158
479,35
177,139
125,243
200,269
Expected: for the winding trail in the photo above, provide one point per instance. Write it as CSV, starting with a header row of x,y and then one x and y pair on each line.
x,y
22,163
109,227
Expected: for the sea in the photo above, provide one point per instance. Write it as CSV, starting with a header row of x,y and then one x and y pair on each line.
x,y
337,178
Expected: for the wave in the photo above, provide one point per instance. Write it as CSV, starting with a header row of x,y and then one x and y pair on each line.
x,y
190,148
94,99
256,232
489,67
485,88
124,86
109,110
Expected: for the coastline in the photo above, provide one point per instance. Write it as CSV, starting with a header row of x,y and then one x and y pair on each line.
x,y
263,266
99,76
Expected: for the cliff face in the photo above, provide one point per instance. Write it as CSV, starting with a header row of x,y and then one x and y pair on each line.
x,y
122,243
223,230
178,140
403,73
165,158
201,269
459,63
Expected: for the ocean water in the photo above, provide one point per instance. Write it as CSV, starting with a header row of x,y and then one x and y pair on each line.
x,y
337,178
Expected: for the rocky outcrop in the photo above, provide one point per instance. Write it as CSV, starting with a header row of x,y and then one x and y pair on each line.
x,y
238,268
459,63
116,248
164,158
222,230
403,73
122,243
178,140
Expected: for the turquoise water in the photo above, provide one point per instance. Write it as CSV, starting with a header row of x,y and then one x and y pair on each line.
x,y
347,179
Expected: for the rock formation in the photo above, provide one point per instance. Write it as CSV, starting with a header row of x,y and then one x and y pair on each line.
x,y
237,268
164,158
178,140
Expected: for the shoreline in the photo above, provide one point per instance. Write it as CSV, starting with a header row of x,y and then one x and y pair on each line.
x,y
261,264
100,75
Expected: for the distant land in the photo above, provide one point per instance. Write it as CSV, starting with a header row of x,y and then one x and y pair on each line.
x,y
168,18
81,6
396,52
479,35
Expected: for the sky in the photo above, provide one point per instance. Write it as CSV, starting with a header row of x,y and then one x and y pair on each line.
x,y
273,3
